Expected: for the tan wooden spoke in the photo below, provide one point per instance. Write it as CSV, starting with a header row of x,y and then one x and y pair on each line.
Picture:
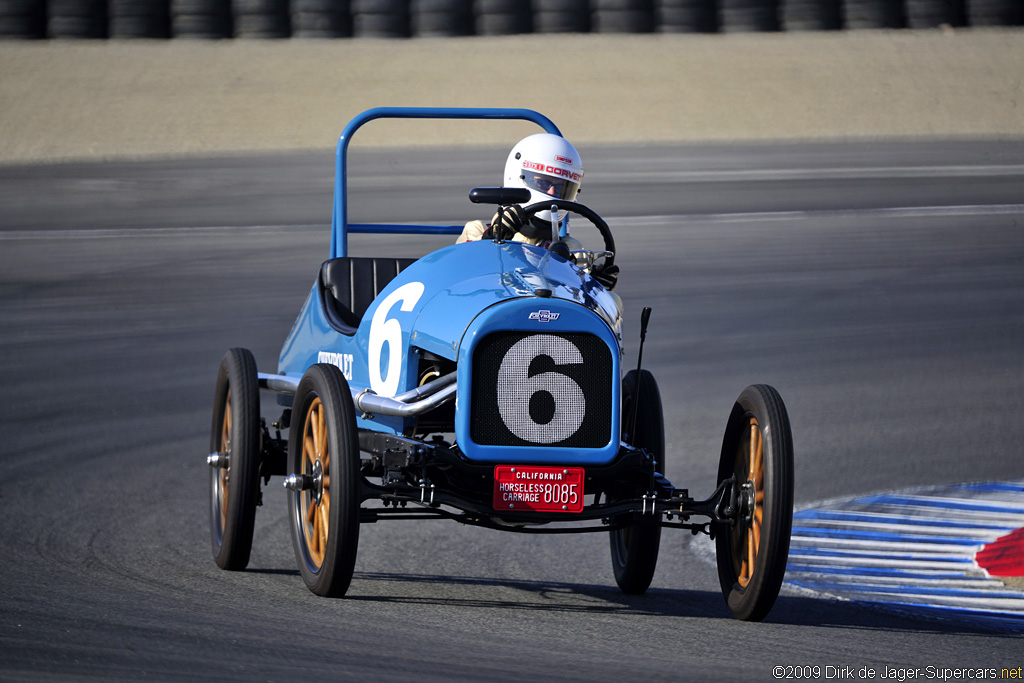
x,y
315,515
324,452
309,453
755,476
225,449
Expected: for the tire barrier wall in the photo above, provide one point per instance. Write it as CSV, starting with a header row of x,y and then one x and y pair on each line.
x,y
35,19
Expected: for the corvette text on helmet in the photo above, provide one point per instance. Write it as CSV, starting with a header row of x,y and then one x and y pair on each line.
x,y
553,170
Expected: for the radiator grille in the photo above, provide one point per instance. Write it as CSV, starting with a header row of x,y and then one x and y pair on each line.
x,y
552,389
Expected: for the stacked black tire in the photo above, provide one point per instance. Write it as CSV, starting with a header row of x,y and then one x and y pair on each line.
x,y
622,16
22,19
321,18
935,13
77,19
874,14
812,15
995,12
686,16
36,19
561,16
261,18
502,17
207,19
139,18
380,19
441,18
749,15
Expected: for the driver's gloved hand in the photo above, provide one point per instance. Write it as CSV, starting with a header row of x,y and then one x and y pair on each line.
x,y
607,276
507,221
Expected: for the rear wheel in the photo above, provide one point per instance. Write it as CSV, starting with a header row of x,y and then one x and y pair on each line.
x,y
635,548
758,451
235,449
323,500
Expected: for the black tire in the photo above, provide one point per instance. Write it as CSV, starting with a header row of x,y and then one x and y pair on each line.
x,y
262,26
139,27
323,444
77,8
380,25
561,6
235,433
686,16
215,8
261,18
442,6
320,25
380,6
623,21
200,26
77,27
321,19
749,15
561,22
500,7
995,12
812,15
934,13
202,19
22,8
635,548
77,19
274,7
874,14
139,18
22,19
503,24
427,24
758,451
620,5
321,6
21,28
561,16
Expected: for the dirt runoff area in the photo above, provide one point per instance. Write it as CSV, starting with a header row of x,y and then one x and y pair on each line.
x,y
63,100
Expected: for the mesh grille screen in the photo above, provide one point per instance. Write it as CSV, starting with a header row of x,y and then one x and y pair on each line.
x,y
534,389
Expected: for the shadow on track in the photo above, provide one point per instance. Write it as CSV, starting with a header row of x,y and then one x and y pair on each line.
x,y
563,597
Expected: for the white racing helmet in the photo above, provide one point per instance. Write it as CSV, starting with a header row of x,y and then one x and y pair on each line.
x,y
550,168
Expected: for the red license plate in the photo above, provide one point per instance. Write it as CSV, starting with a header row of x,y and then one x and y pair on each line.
x,y
529,488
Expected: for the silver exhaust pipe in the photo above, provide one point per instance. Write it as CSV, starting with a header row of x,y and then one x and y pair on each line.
x,y
411,403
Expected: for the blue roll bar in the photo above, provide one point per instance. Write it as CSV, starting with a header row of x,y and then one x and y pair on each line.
x,y
340,227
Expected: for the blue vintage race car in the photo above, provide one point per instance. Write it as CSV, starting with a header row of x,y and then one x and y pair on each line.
x,y
483,383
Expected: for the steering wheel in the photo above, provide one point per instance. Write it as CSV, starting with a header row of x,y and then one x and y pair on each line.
x,y
586,212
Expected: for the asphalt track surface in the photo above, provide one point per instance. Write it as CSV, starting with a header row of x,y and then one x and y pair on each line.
x,y
879,287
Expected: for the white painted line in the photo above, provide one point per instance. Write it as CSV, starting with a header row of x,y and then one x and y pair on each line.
x,y
769,216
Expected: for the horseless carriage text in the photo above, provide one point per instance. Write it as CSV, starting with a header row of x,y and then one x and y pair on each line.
x,y
483,383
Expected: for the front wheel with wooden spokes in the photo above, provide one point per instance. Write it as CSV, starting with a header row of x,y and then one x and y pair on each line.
x,y
757,453
323,496
234,459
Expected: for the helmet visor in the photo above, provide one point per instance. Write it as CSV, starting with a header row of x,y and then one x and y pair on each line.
x,y
553,186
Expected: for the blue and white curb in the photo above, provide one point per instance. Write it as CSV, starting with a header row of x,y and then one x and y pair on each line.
x,y
910,551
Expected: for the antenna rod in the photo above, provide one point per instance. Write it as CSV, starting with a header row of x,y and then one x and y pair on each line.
x,y
645,318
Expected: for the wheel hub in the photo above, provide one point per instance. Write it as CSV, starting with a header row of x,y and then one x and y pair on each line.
x,y
317,481
745,501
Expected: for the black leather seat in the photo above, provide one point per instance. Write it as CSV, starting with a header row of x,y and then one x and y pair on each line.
x,y
349,284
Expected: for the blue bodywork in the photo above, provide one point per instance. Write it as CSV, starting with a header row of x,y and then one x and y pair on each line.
x,y
444,304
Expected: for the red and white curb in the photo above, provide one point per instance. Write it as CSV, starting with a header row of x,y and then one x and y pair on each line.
x,y
933,552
